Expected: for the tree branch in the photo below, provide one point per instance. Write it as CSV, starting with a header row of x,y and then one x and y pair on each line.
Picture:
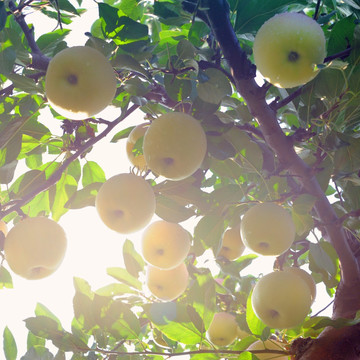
x,y
39,60
274,136
56,176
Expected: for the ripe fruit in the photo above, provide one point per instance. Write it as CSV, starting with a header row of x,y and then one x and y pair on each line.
x,y
268,345
287,49
136,133
35,247
165,245
232,245
281,299
223,329
79,82
174,145
167,285
125,203
306,277
267,229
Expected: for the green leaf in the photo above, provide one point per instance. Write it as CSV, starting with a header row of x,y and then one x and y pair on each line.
x,y
174,321
7,60
7,172
44,327
213,86
127,62
134,262
321,258
92,173
122,29
170,210
3,15
256,326
122,275
5,278
320,322
209,230
25,84
27,183
185,49
33,340
178,89
49,42
123,134
38,353
251,15
341,35
62,192
84,197
9,344
42,310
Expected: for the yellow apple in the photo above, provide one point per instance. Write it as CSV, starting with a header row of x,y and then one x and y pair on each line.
x,y
287,49
167,285
232,246
136,133
223,329
174,145
281,299
164,244
80,82
268,345
35,247
267,229
125,203
306,277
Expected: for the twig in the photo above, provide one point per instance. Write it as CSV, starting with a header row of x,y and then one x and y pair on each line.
x,y
56,176
320,311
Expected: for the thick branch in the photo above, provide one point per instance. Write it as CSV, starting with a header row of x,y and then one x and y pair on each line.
x,y
277,140
39,60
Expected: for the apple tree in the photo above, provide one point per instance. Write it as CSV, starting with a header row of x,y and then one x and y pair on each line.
x,y
296,147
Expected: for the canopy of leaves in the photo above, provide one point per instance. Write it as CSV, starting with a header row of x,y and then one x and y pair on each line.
x,y
167,59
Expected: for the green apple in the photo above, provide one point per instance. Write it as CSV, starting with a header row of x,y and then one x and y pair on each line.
x,y
268,345
125,203
167,285
232,246
281,299
223,329
267,229
306,277
136,133
80,82
35,247
164,244
174,145
287,49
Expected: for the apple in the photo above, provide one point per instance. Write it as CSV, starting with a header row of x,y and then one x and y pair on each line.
x,y
164,244
35,247
136,133
232,246
267,229
306,277
281,299
79,82
125,203
167,285
268,345
223,329
174,145
287,49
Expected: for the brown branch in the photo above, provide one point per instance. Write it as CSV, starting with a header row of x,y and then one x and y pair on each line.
x,y
277,140
56,176
39,60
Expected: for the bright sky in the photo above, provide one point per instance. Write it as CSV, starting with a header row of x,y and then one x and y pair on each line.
x,y
92,247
